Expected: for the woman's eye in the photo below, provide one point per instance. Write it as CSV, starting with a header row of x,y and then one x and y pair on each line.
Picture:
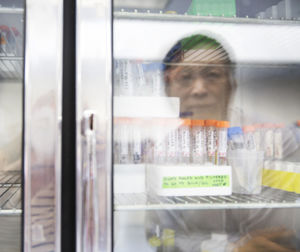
x,y
213,75
186,76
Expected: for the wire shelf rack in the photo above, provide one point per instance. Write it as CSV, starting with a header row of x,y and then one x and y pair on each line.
x,y
11,10
11,67
269,198
10,193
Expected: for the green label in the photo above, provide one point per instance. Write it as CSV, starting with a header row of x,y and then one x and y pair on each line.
x,y
195,181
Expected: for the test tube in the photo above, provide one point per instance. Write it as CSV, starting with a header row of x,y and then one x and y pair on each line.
x,y
139,78
211,138
116,77
124,141
249,137
146,141
159,143
278,141
135,141
172,140
158,88
257,136
148,75
268,129
116,150
126,85
222,127
198,142
235,138
184,141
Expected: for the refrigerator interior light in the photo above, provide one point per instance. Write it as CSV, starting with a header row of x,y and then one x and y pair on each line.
x,y
144,4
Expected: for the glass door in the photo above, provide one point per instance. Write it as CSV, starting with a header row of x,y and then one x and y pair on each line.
x,y
11,113
42,121
30,117
93,125
206,125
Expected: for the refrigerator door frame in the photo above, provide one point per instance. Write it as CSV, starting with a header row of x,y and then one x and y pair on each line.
x,y
42,125
94,125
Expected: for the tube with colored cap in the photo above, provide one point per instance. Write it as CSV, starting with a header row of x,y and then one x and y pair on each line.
x,y
222,127
184,139
198,142
211,143
235,138
249,137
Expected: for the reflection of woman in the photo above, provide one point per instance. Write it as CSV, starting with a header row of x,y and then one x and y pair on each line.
x,y
198,70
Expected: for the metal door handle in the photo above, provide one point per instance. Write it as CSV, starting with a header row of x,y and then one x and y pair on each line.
x,y
89,182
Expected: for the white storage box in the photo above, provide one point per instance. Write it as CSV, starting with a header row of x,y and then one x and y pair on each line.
x,y
188,180
129,178
146,107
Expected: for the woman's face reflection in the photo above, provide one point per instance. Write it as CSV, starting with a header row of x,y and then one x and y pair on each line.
x,y
204,89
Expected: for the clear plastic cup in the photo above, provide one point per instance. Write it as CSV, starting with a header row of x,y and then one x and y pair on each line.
x,y
247,168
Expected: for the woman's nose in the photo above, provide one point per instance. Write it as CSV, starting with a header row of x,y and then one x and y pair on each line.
x,y
199,87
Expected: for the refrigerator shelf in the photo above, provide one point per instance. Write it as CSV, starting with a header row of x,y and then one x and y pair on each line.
x,y
11,67
269,198
10,193
189,18
11,10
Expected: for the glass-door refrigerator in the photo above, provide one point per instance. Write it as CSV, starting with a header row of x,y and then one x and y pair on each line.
x,y
30,115
188,132
11,68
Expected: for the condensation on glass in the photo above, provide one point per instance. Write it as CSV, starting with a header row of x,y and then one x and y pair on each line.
x,y
11,113
93,113
42,125
206,140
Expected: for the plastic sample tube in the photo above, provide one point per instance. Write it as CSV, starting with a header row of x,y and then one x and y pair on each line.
x,y
211,137
159,144
116,150
137,76
172,140
135,141
184,141
126,78
235,138
157,82
147,141
148,69
198,142
222,127
124,141
278,141
268,129
257,136
116,77
249,137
